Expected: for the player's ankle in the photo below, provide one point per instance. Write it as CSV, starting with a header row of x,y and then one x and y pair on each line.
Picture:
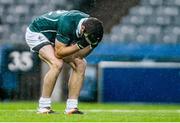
x,y
71,103
44,102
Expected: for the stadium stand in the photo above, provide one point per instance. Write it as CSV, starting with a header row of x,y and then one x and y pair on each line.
x,y
149,22
15,15
152,21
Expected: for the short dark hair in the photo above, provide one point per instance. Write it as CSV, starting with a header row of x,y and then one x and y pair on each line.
x,y
94,27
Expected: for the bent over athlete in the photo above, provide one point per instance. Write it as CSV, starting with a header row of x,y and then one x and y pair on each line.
x,y
63,36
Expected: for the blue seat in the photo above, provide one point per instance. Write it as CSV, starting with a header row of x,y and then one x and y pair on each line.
x,y
142,10
176,21
170,2
11,19
170,38
1,10
134,20
6,2
152,2
167,10
158,20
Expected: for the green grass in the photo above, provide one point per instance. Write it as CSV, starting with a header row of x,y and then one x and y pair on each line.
x,y
26,111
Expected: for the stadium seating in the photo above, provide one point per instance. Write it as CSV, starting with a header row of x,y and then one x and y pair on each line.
x,y
152,21
15,15
149,22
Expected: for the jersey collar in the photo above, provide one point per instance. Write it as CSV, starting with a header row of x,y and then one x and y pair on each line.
x,y
78,33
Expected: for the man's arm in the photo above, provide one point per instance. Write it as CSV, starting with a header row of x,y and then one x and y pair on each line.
x,y
61,50
80,54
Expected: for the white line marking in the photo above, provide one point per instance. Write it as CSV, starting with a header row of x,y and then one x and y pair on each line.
x,y
89,122
104,110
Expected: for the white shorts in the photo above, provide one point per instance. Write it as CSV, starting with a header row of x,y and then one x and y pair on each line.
x,y
36,40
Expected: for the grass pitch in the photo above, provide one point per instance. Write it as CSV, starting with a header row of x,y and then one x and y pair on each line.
x,y
26,112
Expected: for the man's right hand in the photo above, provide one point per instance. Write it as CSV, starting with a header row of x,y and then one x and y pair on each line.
x,y
82,44
61,50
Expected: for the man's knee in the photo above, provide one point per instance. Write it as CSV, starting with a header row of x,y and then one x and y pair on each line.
x,y
46,53
57,64
80,65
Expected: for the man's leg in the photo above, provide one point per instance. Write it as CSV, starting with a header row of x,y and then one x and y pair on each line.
x,y
75,84
46,53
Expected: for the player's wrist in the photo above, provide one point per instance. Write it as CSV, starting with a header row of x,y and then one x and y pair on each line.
x,y
82,44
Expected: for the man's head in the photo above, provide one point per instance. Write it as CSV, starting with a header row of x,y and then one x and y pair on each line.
x,y
92,30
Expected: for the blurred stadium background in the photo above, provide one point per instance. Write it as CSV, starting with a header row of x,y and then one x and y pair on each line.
x,y
138,60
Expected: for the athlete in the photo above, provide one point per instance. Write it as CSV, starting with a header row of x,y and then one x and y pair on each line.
x,y
63,36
